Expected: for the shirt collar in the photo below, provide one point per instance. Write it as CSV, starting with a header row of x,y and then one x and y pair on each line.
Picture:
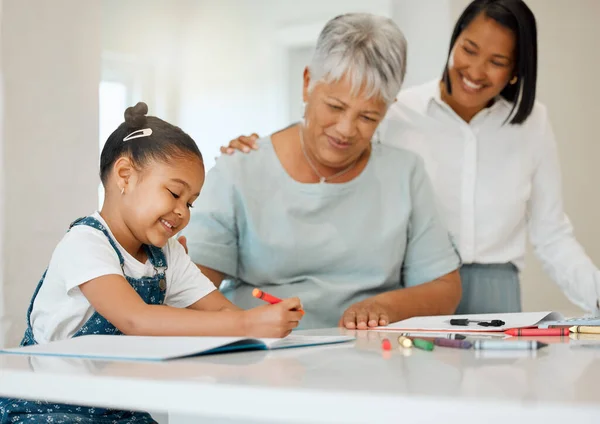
x,y
432,95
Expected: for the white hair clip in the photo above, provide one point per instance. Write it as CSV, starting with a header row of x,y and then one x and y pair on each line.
x,y
146,132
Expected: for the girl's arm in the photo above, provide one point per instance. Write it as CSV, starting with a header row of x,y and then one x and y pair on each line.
x,y
113,298
214,301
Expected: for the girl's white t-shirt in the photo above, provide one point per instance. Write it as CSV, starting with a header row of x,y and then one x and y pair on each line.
x,y
60,308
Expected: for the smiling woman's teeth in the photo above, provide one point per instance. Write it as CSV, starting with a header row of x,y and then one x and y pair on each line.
x,y
471,84
166,223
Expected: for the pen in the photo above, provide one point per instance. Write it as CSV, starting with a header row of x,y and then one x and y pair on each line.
x,y
538,332
508,345
585,329
458,344
269,298
483,323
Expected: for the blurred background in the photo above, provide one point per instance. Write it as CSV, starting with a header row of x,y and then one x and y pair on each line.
x,y
219,69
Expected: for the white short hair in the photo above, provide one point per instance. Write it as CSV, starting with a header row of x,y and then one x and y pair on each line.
x,y
370,49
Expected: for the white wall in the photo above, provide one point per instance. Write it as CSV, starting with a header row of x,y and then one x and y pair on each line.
x,y
3,300
427,27
568,84
51,66
143,39
233,73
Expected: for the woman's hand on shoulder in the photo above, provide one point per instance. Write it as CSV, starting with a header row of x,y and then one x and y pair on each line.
x,y
273,320
183,241
242,143
363,315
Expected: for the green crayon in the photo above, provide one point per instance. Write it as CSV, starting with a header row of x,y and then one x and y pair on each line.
x,y
423,344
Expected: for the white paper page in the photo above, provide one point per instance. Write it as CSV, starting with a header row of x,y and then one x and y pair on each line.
x,y
584,320
442,322
128,347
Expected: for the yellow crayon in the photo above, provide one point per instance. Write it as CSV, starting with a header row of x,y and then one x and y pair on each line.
x,y
585,329
405,342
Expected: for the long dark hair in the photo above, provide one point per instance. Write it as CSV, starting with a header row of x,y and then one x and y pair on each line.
x,y
516,16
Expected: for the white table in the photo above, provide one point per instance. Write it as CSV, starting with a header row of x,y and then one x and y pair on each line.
x,y
347,383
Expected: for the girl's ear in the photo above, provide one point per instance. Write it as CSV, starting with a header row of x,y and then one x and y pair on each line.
x,y
123,171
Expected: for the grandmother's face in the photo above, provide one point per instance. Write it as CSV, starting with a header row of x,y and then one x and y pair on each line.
x,y
340,126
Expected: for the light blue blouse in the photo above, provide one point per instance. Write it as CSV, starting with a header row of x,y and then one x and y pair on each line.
x,y
330,244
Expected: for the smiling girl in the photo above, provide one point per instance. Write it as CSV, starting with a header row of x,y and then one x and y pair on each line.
x,y
118,271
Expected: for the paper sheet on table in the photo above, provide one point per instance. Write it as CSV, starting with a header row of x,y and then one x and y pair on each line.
x,y
148,348
442,322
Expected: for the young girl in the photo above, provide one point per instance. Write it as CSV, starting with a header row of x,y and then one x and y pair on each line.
x,y
120,272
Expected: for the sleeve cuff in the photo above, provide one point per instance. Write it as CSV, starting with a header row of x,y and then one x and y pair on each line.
x,y
417,275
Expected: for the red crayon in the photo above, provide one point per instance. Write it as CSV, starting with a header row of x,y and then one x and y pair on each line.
x,y
386,344
538,332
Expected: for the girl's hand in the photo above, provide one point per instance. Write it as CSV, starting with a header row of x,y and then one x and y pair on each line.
x,y
242,143
365,314
273,320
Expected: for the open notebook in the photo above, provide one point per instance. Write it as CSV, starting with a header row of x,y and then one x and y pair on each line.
x,y
441,323
147,348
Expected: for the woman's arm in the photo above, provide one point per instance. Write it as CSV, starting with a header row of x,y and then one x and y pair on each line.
x,y
430,278
437,297
551,233
215,276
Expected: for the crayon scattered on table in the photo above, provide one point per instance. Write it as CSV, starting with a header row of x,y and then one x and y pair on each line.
x,y
458,344
386,344
405,342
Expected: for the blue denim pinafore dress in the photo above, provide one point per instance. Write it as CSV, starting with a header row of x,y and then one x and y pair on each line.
x,y
150,289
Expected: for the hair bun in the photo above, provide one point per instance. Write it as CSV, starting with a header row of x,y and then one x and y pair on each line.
x,y
135,117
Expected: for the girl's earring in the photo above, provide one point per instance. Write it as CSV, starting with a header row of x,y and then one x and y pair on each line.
x,y
514,80
122,190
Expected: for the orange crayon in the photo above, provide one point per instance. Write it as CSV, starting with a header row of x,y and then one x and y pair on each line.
x,y
259,294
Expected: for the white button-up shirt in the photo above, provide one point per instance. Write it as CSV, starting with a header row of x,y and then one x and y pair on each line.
x,y
494,182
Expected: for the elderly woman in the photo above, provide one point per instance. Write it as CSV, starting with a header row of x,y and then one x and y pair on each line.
x,y
320,212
